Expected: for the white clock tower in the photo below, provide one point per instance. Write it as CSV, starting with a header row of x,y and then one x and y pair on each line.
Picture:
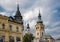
x,y
39,28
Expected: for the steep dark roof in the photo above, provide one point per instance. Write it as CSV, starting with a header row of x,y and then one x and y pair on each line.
x,y
18,12
11,18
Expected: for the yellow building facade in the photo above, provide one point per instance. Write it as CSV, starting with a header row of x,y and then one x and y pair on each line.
x,y
11,29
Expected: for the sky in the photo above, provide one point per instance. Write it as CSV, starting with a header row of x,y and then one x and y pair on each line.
x,y
49,10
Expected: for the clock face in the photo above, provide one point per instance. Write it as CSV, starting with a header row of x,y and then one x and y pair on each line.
x,y
37,28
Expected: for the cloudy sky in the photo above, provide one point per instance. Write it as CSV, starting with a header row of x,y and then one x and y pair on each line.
x,y
49,9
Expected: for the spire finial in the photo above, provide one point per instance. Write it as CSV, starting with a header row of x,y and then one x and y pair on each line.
x,y
17,2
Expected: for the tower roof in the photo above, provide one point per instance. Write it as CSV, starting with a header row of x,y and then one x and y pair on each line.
x,y
28,26
39,18
39,14
18,18
18,12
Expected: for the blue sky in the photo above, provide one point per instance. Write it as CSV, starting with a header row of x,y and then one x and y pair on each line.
x,y
49,9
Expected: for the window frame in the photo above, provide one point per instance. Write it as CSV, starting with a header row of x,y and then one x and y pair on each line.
x,y
3,26
10,27
17,29
11,38
18,39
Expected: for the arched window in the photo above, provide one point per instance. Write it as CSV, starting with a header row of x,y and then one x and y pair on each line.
x,y
18,39
42,33
17,29
11,39
10,27
37,33
3,26
2,39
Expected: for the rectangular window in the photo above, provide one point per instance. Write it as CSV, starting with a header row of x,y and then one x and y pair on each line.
x,y
2,39
3,26
11,39
18,39
17,29
10,27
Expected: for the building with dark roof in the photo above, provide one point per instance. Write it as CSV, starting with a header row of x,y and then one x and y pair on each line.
x,y
11,28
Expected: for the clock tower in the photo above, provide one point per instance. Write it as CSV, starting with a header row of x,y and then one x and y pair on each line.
x,y
39,27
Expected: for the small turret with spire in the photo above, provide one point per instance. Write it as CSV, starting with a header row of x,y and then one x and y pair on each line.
x,y
39,18
28,29
28,26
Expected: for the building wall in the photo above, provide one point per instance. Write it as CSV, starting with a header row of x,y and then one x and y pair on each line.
x,y
50,40
39,28
57,40
7,32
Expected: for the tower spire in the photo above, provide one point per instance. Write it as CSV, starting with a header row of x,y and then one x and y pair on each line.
x,y
18,17
17,7
39,14
18,11
39,18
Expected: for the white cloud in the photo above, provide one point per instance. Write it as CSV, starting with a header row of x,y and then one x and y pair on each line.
x,y
30,14
4,13
30,10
